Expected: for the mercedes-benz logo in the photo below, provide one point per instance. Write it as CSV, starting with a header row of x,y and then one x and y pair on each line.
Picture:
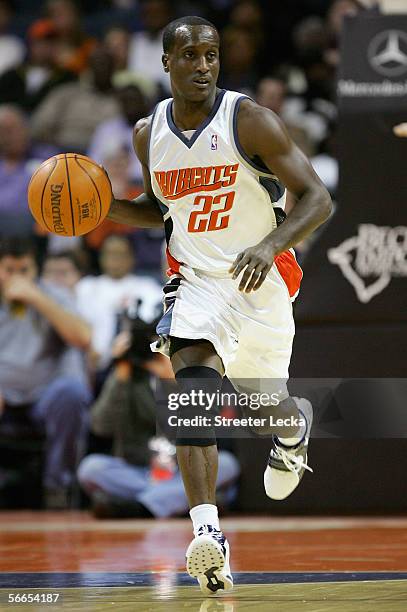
x,y
387,53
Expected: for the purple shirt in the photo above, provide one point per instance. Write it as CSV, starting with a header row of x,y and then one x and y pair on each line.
x,y
15,217
13,187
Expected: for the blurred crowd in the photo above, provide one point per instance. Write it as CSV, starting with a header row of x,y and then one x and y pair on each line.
x,y
76,76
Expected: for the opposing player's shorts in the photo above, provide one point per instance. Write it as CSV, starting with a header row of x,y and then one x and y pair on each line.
x,y
251,332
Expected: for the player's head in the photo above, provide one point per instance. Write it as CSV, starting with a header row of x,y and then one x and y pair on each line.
x,y
17,256
191,56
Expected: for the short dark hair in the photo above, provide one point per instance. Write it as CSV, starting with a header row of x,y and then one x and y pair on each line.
x,y
72,256
17,247
125,238
171,29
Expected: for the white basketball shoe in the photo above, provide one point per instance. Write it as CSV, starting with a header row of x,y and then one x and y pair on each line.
x,y
207,559
287,464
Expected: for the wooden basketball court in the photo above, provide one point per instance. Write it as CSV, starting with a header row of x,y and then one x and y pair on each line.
x,y
322,564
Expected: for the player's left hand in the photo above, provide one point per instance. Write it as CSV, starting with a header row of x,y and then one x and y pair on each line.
x,y
256,262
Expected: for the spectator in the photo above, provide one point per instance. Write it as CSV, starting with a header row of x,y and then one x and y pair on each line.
x,y
117,160
309,108
272,93
102,298
29,82
247,15
117,42
338,10
41,368
12,48
310,37
118,132
325,162
74,46
70,114
146,47
18,159
62,269
147,243
127,484
239,69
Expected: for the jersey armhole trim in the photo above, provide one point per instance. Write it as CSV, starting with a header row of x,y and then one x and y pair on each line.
x,y
235,138
153,114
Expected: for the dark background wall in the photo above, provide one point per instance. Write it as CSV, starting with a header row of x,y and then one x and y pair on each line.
x,y
355,329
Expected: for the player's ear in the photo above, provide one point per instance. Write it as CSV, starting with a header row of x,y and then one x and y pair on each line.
x,y
164,60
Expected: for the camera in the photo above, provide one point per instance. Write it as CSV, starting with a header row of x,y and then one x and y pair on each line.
x,y
141,334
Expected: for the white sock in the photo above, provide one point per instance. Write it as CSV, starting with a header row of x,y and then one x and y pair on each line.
x,y
204,514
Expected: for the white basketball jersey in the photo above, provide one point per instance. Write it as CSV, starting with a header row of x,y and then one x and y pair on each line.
x,y
216,201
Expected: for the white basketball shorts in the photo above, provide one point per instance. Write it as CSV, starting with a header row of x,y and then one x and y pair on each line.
x,y
251,332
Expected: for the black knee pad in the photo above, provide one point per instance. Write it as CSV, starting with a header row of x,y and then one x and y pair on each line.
x,y
176,344
202,385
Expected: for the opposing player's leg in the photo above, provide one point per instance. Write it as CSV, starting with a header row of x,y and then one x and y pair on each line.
x,y
198,368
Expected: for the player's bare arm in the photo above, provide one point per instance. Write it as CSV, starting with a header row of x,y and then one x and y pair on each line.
x,y
143,211
262,134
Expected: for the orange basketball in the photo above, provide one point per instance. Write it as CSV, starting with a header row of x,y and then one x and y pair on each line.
x,y
69,194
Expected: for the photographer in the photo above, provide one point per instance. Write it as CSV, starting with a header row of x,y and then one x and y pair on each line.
x,y
141,479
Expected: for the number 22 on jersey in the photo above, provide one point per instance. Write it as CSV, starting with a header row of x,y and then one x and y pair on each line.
x,y
209,219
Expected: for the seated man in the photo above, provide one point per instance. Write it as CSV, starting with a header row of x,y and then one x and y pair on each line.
x,y
141,479
41,368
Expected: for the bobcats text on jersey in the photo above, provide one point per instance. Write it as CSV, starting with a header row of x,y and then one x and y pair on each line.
x,y
178,183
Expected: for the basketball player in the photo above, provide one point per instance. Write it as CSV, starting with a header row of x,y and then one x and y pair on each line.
x,y
215,165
